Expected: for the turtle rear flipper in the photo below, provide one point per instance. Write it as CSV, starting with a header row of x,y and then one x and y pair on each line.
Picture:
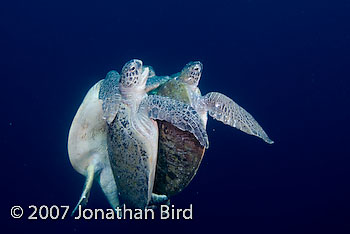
x,y
177,113
108,186
87,187
157,199
224,109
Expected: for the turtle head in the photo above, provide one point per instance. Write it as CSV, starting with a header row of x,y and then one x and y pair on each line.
x,y
134,75
191,73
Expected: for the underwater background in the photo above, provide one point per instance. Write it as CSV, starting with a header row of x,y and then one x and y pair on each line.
x,y
285,62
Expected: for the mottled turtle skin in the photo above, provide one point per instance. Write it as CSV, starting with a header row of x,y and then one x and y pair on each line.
x,y
132,137
179,153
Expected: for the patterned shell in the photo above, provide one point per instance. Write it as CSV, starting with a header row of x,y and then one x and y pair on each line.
x,y
179,152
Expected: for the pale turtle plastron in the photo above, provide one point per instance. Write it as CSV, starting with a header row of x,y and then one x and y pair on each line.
x,y
87,146
179,152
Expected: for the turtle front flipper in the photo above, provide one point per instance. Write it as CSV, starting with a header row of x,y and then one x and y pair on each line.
x,y
110,95
177,113
224,109
87,187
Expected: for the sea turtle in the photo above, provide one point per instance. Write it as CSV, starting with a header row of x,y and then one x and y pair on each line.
x,y
132,136
87,146
87,140
180,154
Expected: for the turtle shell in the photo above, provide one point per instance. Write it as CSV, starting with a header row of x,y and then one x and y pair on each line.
x,y
132,156
179,152
179,156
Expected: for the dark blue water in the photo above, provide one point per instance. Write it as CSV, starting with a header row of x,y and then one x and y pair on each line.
x,y
286,62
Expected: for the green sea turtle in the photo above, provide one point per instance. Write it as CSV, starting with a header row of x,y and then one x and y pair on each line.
x,y
132,136
87,146
180,154
87,140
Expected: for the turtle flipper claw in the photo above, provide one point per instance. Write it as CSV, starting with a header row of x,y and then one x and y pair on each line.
x,y
224,109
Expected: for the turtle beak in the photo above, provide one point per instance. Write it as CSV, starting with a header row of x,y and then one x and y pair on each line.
x,y
144,75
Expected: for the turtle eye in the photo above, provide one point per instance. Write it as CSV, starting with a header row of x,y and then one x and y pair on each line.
x,y
132,68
